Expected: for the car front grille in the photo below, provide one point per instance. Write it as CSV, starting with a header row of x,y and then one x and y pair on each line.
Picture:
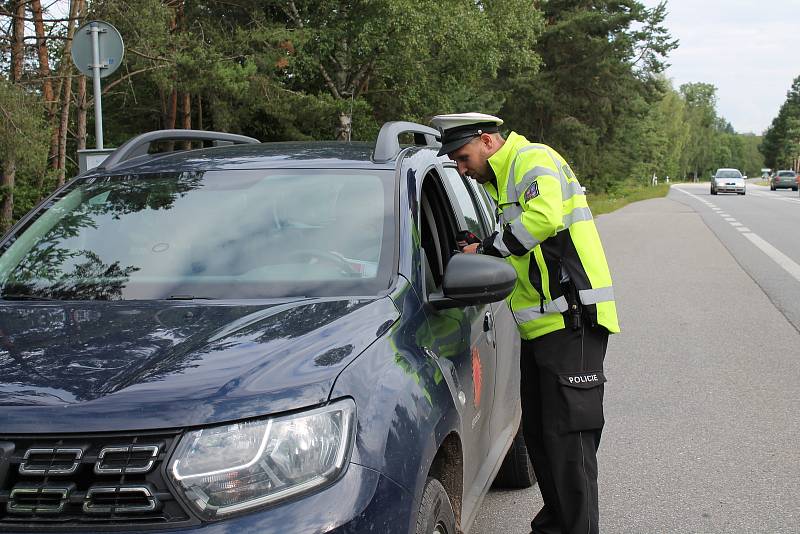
x,y
102,482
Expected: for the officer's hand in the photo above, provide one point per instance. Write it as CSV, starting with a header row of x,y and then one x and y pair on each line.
x,y
465,237
472,248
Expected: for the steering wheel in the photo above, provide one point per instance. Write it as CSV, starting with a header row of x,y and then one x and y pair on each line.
x,y
323,256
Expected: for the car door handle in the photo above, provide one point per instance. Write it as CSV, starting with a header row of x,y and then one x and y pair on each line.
x,y
488,327
488,322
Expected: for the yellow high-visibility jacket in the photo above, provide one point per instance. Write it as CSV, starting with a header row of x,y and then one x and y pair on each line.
x,y
549,236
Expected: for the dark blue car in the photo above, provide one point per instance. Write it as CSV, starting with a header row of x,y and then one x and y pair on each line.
x,y
259,338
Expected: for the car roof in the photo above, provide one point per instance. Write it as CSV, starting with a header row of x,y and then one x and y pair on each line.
x,y
233,151
259,156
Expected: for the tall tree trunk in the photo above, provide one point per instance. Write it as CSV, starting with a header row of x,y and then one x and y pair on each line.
x,y
199,112
187,111
18,41
9,160
81,104
51,105
169,107
75,7
80,127
7,188
62,130
187,117
172,109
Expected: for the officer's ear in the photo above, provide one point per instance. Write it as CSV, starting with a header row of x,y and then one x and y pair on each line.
x,y
491,142
488,141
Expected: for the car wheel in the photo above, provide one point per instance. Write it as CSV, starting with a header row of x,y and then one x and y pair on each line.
x,y
435,512
794,188
517,469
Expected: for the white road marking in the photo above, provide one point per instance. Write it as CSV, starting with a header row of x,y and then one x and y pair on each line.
x,y
784,261
743,229
775,196
729,219
736,224
788,264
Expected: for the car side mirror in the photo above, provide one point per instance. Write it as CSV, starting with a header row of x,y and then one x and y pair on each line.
x,y
471,279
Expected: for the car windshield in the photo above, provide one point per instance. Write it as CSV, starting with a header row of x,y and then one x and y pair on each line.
x,y
728,174
790,174
212,234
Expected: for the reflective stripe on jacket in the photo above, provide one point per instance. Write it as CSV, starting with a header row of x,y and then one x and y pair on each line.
x,y
549,236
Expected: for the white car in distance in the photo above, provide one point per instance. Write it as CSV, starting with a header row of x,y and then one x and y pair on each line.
x,y
728,181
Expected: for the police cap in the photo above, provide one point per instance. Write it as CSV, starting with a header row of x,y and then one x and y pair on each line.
x,y
458,129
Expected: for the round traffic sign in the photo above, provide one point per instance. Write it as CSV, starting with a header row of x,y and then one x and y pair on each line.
x,y
109,42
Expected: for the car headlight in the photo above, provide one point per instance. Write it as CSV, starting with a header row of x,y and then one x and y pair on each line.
x,y
230,468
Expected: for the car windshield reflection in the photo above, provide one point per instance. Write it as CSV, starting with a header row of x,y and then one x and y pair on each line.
x,y
213,234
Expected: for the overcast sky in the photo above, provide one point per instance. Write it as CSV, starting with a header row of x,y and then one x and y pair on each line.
x,y
748,49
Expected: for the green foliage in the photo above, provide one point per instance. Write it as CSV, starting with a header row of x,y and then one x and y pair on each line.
x,y
701,101
584,76
781,145
24,138
408,59
622,195
599,77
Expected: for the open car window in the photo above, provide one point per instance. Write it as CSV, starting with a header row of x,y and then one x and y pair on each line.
x,y
474,219
438,228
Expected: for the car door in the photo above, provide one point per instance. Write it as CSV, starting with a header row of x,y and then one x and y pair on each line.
x,y
478,211
463,338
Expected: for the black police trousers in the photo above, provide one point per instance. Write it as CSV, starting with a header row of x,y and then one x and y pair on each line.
x,y
562,417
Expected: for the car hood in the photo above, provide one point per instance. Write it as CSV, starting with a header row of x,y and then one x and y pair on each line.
x,y
79,367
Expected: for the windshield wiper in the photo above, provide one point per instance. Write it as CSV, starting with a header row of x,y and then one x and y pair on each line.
x,y
22,296
188,297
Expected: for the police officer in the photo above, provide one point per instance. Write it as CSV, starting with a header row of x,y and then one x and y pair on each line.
x,y
563,304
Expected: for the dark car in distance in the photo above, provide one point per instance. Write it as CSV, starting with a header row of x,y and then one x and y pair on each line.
x,y
783,180
248,337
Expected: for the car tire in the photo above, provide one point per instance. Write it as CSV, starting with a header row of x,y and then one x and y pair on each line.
x,y
435,512
794,189
517,469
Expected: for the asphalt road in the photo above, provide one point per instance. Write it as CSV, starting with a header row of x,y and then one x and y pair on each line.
x,y
769,221
702,430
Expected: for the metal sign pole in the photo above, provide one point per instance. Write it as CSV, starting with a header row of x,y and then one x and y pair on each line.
x,y
97,51
98,105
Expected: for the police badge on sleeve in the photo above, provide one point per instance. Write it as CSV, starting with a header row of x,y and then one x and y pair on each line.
x,y
532,191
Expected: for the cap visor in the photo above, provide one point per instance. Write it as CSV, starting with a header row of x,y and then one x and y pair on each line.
x,y
454,145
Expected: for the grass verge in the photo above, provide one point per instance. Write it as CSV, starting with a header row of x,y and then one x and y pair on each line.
x,y
607,202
